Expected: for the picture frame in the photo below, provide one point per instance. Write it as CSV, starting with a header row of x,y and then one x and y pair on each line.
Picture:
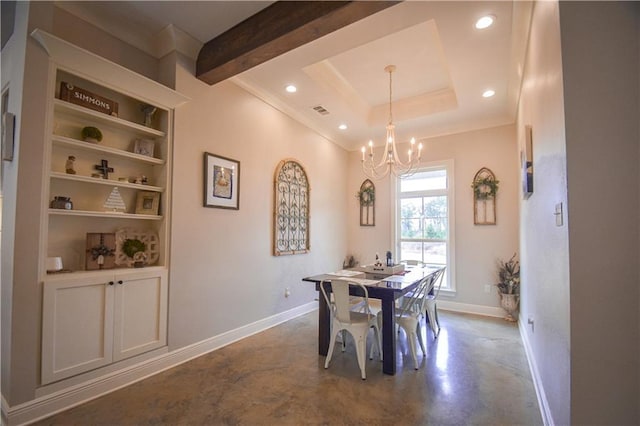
x,y
221,182
147,202
526,159
144,147
8,129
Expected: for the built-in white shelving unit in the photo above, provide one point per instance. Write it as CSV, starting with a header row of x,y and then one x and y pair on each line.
x,y
122,310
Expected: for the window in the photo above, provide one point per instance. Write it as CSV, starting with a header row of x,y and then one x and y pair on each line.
x,y
425,218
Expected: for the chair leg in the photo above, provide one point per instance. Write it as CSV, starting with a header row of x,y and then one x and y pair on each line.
x,y
435,309
377,343
411,337
332,343
361,353
432,316
420,339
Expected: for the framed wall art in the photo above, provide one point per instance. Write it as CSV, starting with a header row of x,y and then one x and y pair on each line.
x,y
526,158
221,182
485,189
367,199
291,209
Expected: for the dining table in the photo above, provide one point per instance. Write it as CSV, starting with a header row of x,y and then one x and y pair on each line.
x,y
386,288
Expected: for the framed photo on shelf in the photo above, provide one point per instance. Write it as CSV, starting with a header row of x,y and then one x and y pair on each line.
x,y
147,202
221,182
144,147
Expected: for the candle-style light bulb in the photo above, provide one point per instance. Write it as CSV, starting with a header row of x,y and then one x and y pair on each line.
x,y
371,147
362,149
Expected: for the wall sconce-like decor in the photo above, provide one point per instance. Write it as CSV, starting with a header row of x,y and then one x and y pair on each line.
x,y
367,199
291,209
485,188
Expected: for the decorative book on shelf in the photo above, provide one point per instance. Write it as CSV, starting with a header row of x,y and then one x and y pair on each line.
x,y
114,202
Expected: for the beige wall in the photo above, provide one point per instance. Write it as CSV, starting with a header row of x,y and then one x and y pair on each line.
x,y
600,63
476,247
223,275
544,246
580,280
13,56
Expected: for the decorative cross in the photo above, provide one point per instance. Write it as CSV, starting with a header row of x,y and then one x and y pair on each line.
x,y
104,168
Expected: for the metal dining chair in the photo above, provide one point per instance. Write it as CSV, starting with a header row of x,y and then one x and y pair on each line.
x,y
431,307
354,322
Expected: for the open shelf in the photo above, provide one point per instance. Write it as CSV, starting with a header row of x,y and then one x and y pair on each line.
x,y
87,213
74,143
72,109
109,182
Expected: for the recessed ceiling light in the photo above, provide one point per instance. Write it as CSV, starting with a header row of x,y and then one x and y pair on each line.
x,y
291,88
342,127
488,93
485,22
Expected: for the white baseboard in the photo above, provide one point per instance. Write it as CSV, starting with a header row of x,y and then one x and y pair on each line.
x,y
543,403
56,402
489,311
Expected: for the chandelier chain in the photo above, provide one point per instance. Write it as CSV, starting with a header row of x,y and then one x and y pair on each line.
x,y
390,161
390,96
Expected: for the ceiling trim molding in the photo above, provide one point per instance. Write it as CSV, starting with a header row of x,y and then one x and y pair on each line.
x,y
172,38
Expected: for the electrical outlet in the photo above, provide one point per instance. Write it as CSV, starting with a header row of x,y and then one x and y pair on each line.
x,y
487,288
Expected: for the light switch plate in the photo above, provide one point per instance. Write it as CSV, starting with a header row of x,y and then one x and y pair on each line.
x,y
558,214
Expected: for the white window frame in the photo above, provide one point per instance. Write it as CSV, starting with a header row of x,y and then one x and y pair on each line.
x,y
450,284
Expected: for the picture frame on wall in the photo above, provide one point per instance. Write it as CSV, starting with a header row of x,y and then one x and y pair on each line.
x,y
221,182
147,202
526,159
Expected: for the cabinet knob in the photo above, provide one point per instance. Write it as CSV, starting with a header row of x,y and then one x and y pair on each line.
x,y
110,282
120,282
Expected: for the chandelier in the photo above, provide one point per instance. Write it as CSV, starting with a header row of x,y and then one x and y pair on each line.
x,y
390,161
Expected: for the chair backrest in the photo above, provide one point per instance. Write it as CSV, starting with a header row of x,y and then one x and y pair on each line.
x,y
415,303
438,277
341,305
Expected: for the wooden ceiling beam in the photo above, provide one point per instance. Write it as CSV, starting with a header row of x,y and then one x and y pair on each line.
x,y
280,27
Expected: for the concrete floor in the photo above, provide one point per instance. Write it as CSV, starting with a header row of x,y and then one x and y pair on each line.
x,y
475,373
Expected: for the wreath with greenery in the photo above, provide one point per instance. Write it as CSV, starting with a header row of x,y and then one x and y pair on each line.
x,y
366,196
132,246
484,188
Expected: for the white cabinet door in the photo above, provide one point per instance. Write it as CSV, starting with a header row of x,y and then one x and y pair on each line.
x,y
140,321
77,326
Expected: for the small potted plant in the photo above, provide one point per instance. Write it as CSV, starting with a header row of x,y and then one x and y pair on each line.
x,y
135,249
91,134
509,286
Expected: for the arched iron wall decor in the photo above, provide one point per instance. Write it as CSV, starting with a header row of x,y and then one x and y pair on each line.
x,y
291,209
367,199
485,188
